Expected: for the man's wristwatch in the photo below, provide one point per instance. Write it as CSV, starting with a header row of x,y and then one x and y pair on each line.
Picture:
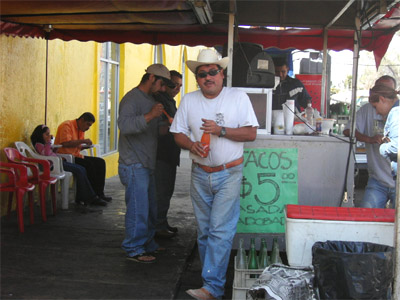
x,y
223,132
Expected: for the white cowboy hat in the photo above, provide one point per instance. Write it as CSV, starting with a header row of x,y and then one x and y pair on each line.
x,y
207,57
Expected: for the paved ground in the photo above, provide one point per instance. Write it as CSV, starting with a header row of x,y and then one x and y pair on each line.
x,y
78,256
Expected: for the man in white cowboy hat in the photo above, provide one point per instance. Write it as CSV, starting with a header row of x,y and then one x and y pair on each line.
x,y
228,116
139,122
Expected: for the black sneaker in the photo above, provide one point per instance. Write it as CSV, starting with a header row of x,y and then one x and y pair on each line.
x,y
105,198
164,234
172,229
98,201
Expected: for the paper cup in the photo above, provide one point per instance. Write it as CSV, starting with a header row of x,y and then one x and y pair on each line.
x,y
278,121
288,116
327,125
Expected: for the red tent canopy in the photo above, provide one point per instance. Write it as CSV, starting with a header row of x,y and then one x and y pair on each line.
x,y
176,22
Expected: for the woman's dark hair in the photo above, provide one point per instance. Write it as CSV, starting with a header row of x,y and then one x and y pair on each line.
x,y
37,134
381,90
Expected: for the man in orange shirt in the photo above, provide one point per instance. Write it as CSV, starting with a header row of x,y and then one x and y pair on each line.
x,y
71,135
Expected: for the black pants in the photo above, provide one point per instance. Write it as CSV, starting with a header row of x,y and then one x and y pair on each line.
x,y
96,172
165,175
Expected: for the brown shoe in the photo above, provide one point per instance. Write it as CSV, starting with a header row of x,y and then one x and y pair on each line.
x,y
200,294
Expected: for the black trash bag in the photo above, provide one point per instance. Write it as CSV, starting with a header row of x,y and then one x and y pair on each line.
x,y
353,270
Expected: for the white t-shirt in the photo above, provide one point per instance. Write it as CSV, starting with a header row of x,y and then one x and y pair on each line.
x,y
231,108
369,123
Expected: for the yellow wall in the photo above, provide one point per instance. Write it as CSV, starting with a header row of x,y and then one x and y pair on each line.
x,y
173,60
72,84
71,77
22,91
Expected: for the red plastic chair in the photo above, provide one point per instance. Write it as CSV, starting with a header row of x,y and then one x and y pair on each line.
x,y
17,182
41,179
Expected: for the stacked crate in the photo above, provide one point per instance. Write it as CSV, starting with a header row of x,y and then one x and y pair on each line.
x,y
242,282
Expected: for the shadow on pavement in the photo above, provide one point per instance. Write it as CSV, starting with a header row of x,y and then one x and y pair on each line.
x,y
77,255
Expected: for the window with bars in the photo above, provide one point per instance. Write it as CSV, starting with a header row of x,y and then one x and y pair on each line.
x,y
108,95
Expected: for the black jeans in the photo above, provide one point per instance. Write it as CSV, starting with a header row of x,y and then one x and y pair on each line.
x,y
165,175
96,172
84,191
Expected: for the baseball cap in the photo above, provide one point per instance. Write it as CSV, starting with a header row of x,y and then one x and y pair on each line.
x,y
161,71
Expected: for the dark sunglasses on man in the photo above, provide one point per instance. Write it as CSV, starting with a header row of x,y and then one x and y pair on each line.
x,y
212,72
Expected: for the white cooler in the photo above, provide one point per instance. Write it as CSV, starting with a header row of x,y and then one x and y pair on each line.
x,y
306,225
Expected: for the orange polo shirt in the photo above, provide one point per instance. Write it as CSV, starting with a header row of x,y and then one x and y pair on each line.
x,y
68,131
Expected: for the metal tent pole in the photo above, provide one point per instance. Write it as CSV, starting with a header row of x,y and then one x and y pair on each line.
x,y
324,73
396,283
356,56
45,93
47,28
231,25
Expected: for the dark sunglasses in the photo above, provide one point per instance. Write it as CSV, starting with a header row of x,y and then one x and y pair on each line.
x,y
212,72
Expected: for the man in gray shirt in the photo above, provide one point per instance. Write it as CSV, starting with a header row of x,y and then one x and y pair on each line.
x,y
369,129
138,122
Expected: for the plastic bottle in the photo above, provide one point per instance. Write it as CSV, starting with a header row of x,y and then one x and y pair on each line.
x,y
335,129
170,119
205,140
309,114
263,256
318,125
275,256
342,127
241,258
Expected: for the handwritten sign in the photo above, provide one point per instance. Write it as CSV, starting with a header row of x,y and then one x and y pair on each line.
x,y
269,182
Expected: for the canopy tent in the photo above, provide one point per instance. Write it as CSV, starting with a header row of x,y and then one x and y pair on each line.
x,y
317,24
205,22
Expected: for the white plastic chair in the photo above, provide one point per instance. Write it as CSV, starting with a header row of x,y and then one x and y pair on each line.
x,y
57,171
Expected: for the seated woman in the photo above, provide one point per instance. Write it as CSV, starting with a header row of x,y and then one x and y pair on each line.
x,y
41,140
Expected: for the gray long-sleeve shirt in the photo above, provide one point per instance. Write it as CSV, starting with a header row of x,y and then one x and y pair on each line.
x,y
137,139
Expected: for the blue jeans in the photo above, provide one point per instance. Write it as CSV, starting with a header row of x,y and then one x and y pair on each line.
x,y
141,209
216,205
376,195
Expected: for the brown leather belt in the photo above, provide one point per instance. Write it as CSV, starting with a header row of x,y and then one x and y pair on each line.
x,y
221,167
